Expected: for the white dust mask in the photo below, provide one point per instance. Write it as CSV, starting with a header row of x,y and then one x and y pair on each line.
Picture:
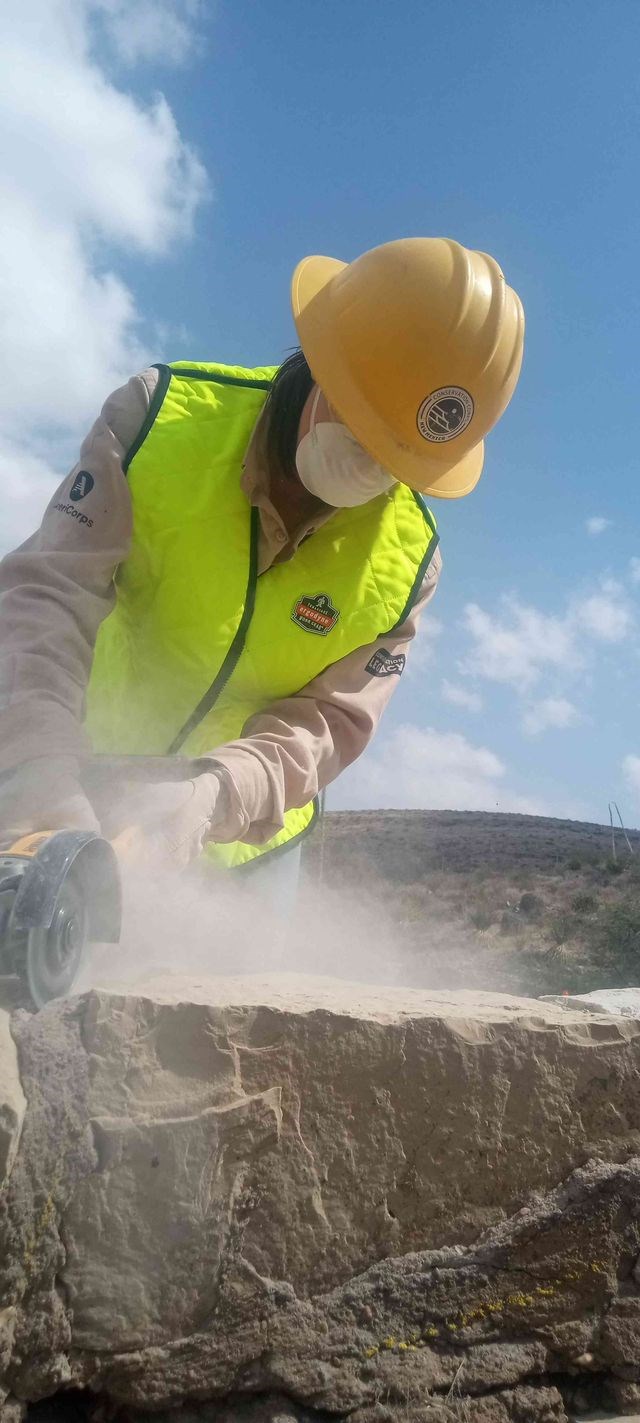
x,y
334,467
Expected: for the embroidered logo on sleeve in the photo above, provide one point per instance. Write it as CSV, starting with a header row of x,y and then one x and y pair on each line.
x,y
316,614
82,485
384,664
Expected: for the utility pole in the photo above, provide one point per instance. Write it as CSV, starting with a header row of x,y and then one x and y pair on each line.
x,y
613,805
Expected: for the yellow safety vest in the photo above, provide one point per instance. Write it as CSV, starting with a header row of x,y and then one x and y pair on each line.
x,y
197,643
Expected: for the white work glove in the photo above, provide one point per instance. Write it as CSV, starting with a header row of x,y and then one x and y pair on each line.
x,y
44,795
165,826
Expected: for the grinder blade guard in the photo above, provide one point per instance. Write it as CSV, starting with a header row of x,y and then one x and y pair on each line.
x,y
58,892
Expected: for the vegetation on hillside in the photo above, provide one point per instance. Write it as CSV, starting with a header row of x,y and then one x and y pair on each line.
x,y
574,930
510,903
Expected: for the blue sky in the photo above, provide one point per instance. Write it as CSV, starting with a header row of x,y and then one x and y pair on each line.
x,y
295,128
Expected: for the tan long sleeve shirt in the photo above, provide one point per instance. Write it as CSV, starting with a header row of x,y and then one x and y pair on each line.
x,y
56,589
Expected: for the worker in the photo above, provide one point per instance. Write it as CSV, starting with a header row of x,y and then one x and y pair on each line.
x,y
235,569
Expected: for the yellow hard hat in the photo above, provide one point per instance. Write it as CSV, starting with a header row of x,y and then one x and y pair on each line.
x,y
417,346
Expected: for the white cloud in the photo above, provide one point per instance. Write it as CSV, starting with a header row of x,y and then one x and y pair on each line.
x,y
520,643
554,712
631,771
419,767
634,570
597,525
26,481
518,646
605,615
152,30
461,696
86,170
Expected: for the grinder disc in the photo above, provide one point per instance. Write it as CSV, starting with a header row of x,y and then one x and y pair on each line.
x,y
53,955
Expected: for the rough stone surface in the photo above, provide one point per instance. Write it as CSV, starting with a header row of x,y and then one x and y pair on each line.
x,y
522,1405
12,1411
297,1198
12,1100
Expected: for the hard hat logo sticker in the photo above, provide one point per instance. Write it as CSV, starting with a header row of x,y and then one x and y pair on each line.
x,y
445,413
316,614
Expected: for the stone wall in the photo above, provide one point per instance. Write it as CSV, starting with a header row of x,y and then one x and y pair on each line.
x,y
321,1197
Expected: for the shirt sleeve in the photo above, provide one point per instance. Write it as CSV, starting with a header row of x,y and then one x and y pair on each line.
x,y
56,589
300,744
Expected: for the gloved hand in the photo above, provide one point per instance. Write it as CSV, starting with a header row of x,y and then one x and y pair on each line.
x,y
44,795
165,826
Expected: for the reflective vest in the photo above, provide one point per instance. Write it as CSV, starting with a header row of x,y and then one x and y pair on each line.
x,y
197,643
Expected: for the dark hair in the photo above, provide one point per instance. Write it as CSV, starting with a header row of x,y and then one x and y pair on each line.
x,y
290,388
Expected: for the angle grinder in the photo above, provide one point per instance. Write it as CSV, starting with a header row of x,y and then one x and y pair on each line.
x,y
60,890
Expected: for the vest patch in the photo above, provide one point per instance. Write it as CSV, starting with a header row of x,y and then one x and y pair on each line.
x,y
384,664
316,614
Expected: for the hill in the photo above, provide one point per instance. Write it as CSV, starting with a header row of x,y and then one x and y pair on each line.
x,y
516,903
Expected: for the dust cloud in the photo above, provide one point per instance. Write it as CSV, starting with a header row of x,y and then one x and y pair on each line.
x,y
207,923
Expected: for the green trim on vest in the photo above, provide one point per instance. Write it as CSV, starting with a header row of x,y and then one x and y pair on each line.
x,y
164,376
197,644
423,566
298,823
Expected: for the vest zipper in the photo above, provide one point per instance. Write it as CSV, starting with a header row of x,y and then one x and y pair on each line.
x,y
233,652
